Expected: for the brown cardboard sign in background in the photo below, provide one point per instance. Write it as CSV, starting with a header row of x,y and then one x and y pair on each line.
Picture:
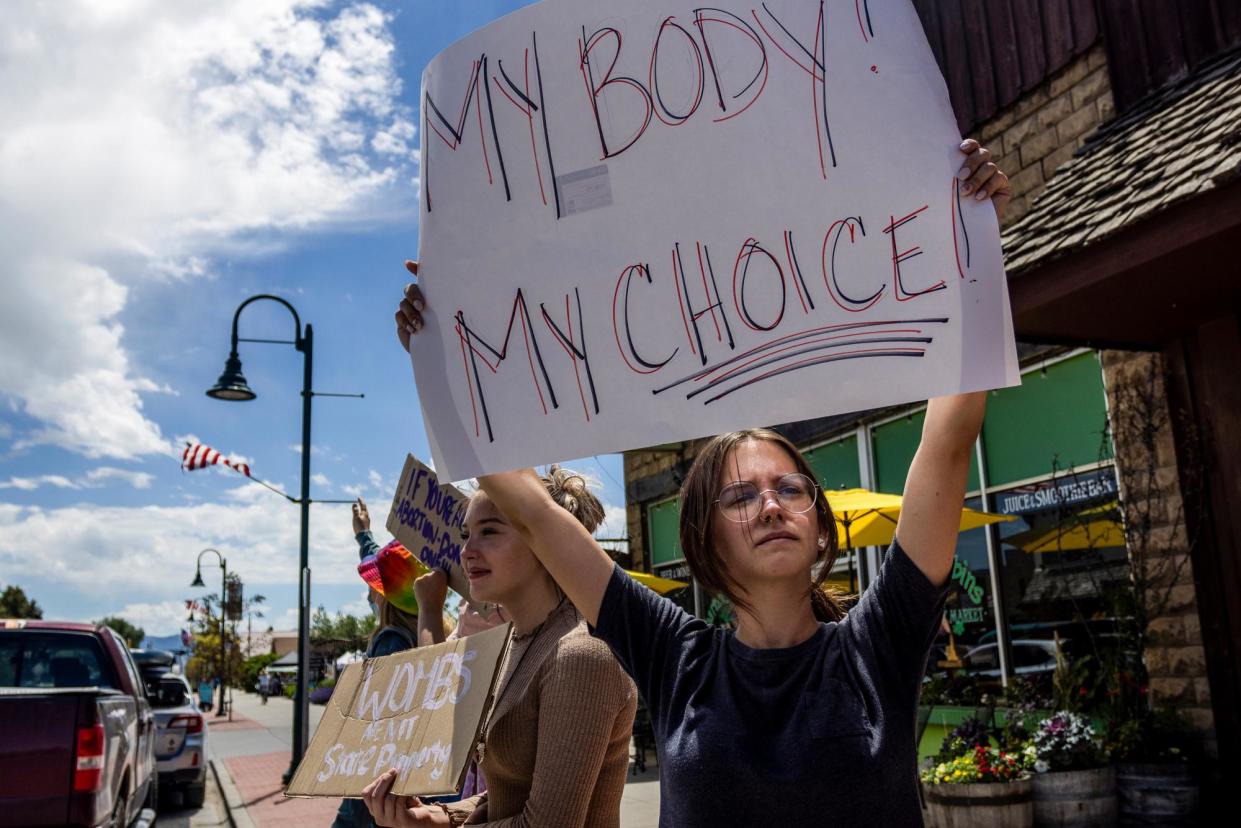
x,y
427,518
418,711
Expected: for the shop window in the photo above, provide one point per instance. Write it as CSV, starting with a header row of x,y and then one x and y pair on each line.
x,y
1064,565
1054,420
970,609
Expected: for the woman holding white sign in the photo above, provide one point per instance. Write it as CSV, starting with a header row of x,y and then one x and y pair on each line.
x,y
555,744
804,715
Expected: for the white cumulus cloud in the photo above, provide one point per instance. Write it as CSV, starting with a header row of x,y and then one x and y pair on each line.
x,y
141,138
93,479
155,618
146,552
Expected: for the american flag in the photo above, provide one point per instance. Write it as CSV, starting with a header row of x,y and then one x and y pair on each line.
x,y
198,456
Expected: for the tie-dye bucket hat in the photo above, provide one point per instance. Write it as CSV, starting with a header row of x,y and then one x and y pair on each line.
x,y
391,572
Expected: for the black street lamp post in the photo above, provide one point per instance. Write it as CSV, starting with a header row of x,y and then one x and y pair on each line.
x,y
198,582
232,386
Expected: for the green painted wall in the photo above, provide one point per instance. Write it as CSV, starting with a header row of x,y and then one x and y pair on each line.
x,y
894,447
665,518
1052,418
836,464
1057,418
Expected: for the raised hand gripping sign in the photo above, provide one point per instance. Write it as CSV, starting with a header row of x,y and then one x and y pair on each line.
x,y
647,221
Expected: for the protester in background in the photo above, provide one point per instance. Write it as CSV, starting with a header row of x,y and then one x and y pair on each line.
x,y
802,715
555,744
264,685
396,609
204,694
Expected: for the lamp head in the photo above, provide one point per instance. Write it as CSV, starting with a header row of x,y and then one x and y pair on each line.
x,y
198,578
232,383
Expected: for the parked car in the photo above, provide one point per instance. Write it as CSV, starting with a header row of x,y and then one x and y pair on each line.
x,y
1033,659
180,728
78,732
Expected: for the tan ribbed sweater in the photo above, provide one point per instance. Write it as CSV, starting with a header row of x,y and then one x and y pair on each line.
x,y
557,742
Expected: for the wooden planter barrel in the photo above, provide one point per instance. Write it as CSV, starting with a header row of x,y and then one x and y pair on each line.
x,y
1067,799
980,805
1165,794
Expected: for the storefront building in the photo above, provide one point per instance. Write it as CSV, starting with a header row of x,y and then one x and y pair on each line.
x,y
1044,458
1118,130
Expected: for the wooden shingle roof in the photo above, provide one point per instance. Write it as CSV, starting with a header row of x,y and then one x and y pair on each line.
x,y
1180,142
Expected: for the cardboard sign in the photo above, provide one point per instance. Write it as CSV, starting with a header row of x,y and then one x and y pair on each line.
x,y
418,711
645,221
427,518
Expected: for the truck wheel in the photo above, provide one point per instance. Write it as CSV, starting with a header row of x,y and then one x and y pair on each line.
x,y
152,801
120,812
194,795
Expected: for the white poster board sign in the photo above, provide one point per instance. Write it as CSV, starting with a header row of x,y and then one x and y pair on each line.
x,y
645,221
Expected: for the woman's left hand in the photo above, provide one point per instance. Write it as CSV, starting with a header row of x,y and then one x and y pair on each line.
x,y
361,517
980,176
392,811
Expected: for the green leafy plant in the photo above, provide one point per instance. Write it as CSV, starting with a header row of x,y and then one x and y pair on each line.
x,y
1074,682
252,666
1163,736
956,688
963,739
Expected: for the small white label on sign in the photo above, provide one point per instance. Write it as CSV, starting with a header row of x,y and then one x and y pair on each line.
x,y
585,189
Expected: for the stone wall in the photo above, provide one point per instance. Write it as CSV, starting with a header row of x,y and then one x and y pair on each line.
x,y
1043,129
1175,658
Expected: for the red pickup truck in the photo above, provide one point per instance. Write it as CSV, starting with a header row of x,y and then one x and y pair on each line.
x,y
77,734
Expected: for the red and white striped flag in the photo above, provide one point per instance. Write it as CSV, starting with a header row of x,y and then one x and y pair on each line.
x,y
198,456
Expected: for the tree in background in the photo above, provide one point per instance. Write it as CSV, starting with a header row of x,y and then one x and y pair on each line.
x,y
205,663
15,604
250,669
132,634
351,631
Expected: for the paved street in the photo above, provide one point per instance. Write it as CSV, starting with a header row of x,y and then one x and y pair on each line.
x,y
251,752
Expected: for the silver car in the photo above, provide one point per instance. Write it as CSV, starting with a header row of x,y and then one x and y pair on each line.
x,y
180,738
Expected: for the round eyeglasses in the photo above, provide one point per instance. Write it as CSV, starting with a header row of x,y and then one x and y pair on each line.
x,y
742,501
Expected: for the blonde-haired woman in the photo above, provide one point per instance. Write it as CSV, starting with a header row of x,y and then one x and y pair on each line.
x,y
555,744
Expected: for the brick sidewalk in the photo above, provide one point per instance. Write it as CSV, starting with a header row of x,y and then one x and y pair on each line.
x,y
223,725
257,779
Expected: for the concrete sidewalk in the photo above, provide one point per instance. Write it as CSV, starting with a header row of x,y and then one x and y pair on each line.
x,y
251,753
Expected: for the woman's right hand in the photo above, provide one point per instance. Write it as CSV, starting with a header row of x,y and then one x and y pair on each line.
x,y
409,313
393,811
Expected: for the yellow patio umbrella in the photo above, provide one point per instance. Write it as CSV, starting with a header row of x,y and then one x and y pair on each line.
x,y
1096,528
866,518
660,585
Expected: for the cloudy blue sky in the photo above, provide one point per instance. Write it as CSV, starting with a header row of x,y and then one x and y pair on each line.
x,y
160,162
